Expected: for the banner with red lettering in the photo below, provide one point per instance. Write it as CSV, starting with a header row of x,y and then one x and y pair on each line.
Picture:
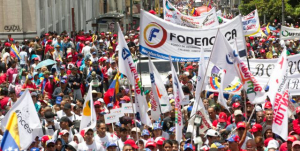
x,y
251,23
280,117
254,90
206,20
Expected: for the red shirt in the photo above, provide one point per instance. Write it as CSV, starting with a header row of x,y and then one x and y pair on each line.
x,y
10,73
49,88
47,48
3,102
32,85
81,45
296,126
2,78
74,56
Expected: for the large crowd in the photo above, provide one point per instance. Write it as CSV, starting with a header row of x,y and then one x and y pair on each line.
x,y
85,58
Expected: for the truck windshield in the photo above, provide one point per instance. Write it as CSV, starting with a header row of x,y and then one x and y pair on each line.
x,y
162,67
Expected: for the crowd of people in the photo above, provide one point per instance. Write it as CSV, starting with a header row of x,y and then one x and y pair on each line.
x,y
85,58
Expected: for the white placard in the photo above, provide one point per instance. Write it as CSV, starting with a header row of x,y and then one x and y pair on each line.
x,y
118,111
111,118
127,108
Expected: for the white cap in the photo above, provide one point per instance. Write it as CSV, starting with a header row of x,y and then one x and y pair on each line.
x,y
136,129
170,73
212,132
126,37
238,112
273,144
73,144
63,132
100,40
258,108
186,73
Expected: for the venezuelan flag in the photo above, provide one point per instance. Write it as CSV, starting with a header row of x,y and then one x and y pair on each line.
x,y
112,90
268,29
11,138
14,52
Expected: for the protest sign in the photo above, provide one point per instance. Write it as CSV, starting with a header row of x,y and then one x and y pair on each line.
x,y
111,118
127,108
160,38
206,20
287,33
118,111
234,87
251,23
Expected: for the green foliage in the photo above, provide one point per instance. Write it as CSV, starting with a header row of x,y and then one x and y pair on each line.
x,y
272,8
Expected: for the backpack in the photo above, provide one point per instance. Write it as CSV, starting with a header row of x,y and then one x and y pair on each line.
x,y
44,128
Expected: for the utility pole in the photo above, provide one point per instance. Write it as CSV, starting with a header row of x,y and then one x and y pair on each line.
x,y
131,19
282,12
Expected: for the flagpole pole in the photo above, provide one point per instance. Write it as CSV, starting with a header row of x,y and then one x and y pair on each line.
x,y
131,101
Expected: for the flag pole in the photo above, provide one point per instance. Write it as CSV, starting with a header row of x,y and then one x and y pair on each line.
x,y
202,82
131,101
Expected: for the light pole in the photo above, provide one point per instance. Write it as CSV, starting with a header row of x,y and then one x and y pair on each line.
x,y
282,1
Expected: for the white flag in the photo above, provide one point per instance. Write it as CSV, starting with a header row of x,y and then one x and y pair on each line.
x,y
89,118
159,94
178,96
27,118
198,107
278,77
280,117
224,56
254,90
221,98
128,68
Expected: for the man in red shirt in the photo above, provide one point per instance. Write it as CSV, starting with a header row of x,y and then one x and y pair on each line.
x,y
234,141
296,122
49,87
74,54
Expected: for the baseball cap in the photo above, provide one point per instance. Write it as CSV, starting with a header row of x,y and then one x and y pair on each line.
x,y
131,143
236,105
110,144
136,129
233,138
222,117
241,125
33,94
150,143
51,141
256,128
97,103
217,145
172,129
62,68
63,132
63,81
268,105
72,146
145,132
238,112
51,77
94,53
125,98
49,114
212,132
273,144
156,126
110,105
88,129
291,138
45,138
30,77
34,149
64,119
295,143
187,146
160,140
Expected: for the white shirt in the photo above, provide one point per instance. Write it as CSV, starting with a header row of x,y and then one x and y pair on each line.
x,y
103,141
120,143
70,139
23,55
93,147
73,117
49,129
86,50
7,56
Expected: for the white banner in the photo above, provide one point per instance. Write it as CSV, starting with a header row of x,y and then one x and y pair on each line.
x,y
127,108
289,33
263,68
111,118
118,111
207,20
88,118
234,87
161,38
251,23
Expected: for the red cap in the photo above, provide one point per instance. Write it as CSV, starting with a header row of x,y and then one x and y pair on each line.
x,y
248,102
115,35
263,40
7,44
266,142
298,109
248,44
222,117
11,39
152,12
160,141
268,105
97,103
216,94
189,67
236,105
36,59
262,51
82,133
291,138
49,41
46,34
251,38
45,138
241,125
150,143
292,133
256,128
125,98
131,143
102,34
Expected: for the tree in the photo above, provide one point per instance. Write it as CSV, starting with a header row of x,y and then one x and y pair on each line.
x,y
271,8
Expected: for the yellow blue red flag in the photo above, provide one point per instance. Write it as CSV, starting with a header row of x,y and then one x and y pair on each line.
x,y
11,138
14,52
